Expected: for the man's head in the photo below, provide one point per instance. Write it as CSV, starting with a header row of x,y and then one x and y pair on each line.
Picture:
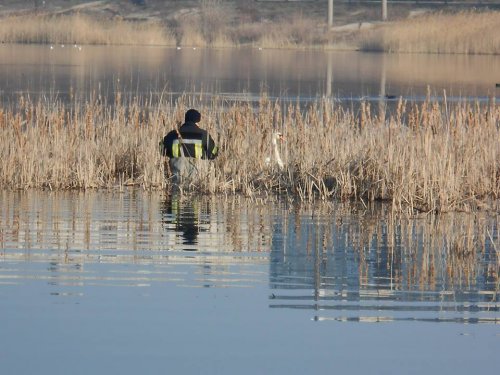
x,y
192,116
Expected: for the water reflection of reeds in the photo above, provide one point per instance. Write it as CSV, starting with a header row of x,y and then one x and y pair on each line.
x,y
371,266
82,223
76,240
344,262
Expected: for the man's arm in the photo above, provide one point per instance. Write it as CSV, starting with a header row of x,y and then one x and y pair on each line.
x,y
212,149
167,143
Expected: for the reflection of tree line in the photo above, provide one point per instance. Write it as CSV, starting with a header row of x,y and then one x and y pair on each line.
x,y
367,250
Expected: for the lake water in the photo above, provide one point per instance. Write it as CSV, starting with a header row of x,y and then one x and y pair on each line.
x,y
148,282
241,74
139,282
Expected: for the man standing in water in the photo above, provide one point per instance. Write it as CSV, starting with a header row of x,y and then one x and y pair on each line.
x,y
186,146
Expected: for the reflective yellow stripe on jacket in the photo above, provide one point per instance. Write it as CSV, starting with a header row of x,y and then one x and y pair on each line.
x,y
214,151
178,150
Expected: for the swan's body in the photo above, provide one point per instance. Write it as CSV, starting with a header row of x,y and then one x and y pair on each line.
x,y
275,138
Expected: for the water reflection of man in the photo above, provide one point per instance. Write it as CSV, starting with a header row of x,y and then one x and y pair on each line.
x,y
184,213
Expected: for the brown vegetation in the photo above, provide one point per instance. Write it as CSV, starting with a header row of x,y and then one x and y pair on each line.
x,y
430,156
82,30
217,23
465,32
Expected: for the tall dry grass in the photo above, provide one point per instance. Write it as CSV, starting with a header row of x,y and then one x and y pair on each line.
x,y
214,23
82,30
464,32
293,31
430,156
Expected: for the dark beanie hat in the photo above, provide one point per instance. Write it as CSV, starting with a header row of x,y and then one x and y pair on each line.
x,y
192,116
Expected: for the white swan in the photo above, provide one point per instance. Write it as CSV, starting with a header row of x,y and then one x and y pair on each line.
x,y
277,136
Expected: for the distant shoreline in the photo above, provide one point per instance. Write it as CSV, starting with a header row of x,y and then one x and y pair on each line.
x,y
213,25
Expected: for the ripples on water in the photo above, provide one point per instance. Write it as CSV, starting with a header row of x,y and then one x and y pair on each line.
x,y
341,262
132,239
144,283
349,77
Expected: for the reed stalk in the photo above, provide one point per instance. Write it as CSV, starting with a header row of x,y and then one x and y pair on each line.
x,y
428,156
464,32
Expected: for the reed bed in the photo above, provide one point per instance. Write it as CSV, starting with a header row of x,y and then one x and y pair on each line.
x,y
430,156
214,24
82,29
465,32
209,28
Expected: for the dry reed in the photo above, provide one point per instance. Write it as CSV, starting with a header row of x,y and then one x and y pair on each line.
x,y
213,24
82,30
429,156
464,32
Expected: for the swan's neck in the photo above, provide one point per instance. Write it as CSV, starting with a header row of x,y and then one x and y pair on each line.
x,y
277,154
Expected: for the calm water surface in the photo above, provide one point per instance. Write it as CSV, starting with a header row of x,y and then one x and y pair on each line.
x,y
140,282
149,283
67,73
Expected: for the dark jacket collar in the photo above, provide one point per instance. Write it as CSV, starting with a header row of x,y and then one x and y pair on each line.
x,y
189,124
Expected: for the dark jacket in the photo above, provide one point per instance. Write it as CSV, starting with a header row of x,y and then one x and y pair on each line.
x,y
193,142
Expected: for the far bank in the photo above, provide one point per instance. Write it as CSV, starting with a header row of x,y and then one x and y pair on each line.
x,y
229,24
